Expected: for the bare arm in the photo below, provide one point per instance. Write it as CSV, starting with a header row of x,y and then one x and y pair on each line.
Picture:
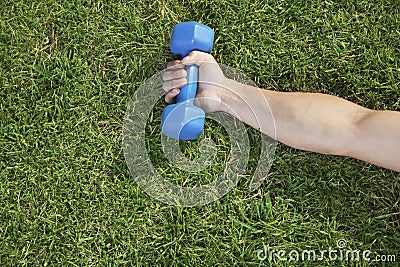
x,y
315,122
319,123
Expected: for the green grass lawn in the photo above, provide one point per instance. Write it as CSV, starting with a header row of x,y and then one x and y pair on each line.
x,y
68,69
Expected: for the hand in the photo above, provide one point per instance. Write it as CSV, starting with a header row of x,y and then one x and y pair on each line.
x,y
211,81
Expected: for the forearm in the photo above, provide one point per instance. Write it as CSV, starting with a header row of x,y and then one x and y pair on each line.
x,y
316,122
307,121
378,139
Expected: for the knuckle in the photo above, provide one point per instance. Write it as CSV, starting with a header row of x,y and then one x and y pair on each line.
x,y
182,81
176,83
165,76
165,86
169,64
179,83
174,63
181,73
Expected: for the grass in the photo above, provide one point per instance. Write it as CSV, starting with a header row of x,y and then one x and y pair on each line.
x,y
67,73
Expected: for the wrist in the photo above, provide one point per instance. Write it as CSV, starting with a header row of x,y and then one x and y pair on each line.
x,y
230,97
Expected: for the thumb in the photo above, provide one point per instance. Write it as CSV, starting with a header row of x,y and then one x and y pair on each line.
x,y
197,58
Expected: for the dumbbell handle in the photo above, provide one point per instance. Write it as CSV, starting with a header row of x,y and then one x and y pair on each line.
x,y
188,92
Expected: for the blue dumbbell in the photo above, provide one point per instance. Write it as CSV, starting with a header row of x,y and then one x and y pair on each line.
x,y
184,120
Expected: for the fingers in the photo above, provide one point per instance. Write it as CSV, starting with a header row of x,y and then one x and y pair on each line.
x,y
171,63
175,70
169,96
174,74
174,65
174,78
173,84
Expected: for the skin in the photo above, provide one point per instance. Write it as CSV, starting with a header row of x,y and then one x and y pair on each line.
x,y
309,121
